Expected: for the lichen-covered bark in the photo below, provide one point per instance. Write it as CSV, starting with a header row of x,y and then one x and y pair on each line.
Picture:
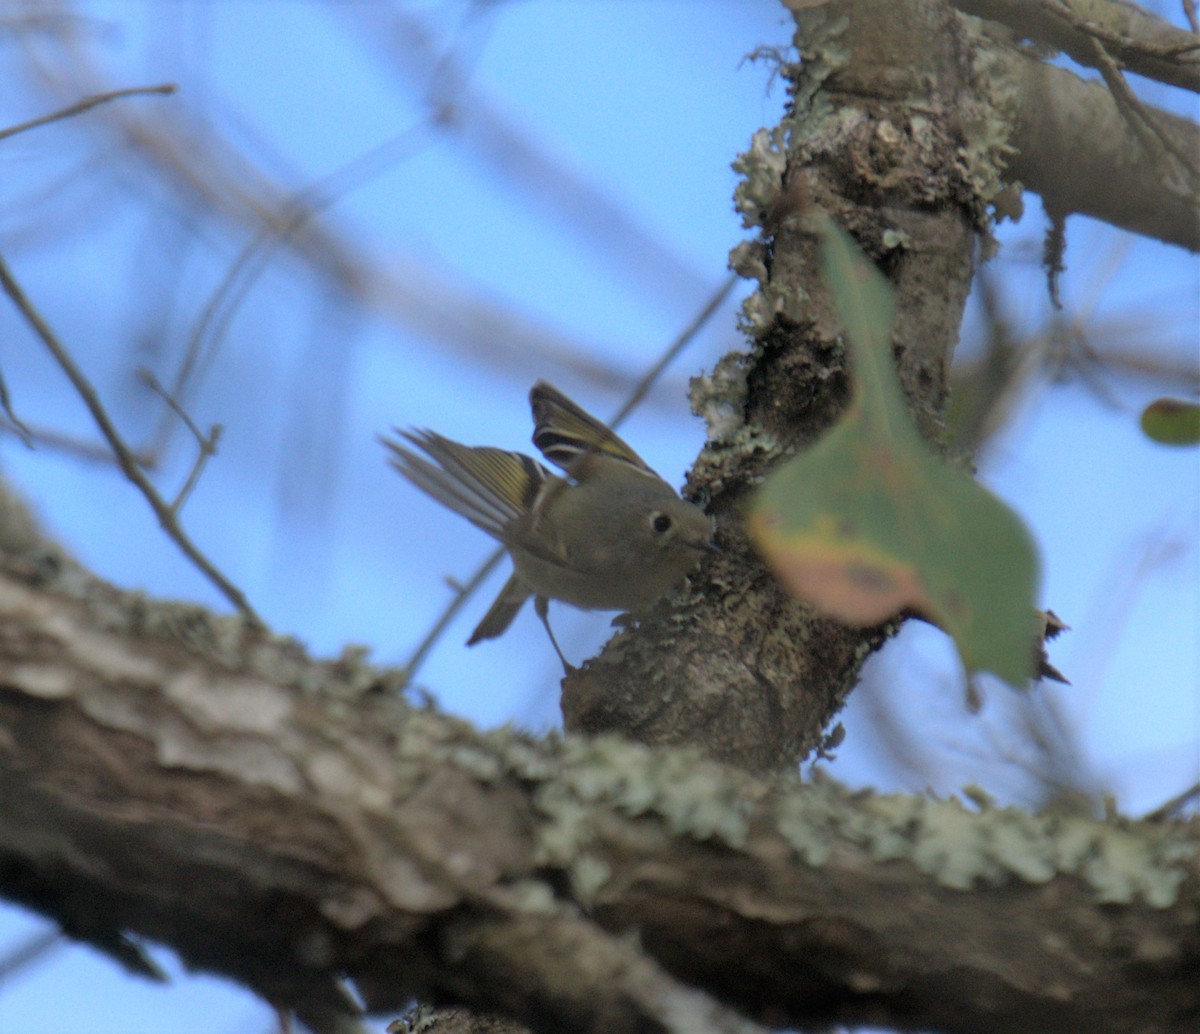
x,y
876,133
285,822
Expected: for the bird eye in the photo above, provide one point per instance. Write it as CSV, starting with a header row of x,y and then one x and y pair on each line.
x,y
660,522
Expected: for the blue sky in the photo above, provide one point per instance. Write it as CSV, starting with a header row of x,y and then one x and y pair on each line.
x,y
637,111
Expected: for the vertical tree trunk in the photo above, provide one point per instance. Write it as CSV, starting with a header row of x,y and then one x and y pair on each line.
x,y
877,134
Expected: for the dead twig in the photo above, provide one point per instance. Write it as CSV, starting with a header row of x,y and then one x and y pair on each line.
x,y
79,107
206,443
167,517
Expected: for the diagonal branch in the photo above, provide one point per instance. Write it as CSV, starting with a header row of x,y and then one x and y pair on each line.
x,y
281,821
165,512
1075,148
1142,42
1157,140
87,104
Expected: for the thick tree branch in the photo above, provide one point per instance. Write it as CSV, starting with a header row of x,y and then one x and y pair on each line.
x,y
1074,147
874,135
176,777
1137,38
291,823
906,122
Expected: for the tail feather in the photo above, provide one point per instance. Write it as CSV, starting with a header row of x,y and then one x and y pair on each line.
x,y
491,488
500,614
446,490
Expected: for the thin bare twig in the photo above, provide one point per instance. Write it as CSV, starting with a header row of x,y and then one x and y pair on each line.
x,y
1189,10
462,594
18,426
678,345
206,443
467,589
91,451
125,458
1174,805
79,107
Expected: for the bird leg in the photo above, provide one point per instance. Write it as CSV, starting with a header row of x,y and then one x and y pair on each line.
x,y
541,606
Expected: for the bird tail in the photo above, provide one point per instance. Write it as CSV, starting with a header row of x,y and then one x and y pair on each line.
x,y
502,611
491,488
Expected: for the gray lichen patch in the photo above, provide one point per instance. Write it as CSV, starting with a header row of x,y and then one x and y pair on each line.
x,y
961,848
687,794
886,127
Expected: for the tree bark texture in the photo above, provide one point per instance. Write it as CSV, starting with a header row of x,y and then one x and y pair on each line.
x,y
1075,147
171,776
286,822
874,134
906,122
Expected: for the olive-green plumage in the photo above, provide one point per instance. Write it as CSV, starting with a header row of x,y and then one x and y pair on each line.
x,y
612,535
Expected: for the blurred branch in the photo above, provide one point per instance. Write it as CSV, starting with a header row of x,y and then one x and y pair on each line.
x,y
18,426
88,450
405,47
986,391
78,108
1129,358
651,376
86,105
1174,806
463,591
251,261
1011,367
165,513
32,949
204,168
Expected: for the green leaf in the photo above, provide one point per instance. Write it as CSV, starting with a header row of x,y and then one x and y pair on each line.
x,y
870,521
1172,422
